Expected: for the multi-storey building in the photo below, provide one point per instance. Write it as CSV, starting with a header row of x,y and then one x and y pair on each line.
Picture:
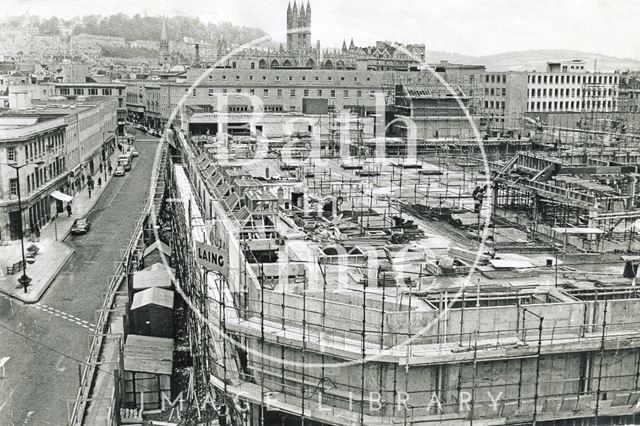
x,y
300,52
280,90
90,90
504,99
55,148
562,89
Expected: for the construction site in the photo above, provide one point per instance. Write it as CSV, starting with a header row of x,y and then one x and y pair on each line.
x,y
487,281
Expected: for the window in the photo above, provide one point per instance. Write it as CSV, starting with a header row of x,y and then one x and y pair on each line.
x,y
265,93
306,92
504,91
317,78
292,93
11,153
320,92
253,65
13,186
290,78
93,92
355,78
329,78
252,91
233,65
359,93
277,78
224,91
237,77
250,77
224,77
333,93
64,90
211,92
304,78
78,91
292,108
264,77
279,93
346,93
341,78
368,78
238,90
193,93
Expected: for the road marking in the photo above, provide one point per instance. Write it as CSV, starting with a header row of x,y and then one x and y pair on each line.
x,y
71,318
3,361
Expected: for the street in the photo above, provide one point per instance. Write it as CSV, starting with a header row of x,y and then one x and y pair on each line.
x,y
46,342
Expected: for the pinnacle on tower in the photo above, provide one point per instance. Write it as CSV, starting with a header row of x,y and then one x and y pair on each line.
x,y
344,45
163,34
352,46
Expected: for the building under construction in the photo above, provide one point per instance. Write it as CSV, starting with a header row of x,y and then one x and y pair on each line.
x,y
390,293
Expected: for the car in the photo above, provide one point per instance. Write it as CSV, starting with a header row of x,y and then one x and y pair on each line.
x,y
119,171
80,226
133,151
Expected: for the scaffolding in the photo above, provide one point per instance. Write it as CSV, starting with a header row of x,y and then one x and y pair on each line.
x,y
307,347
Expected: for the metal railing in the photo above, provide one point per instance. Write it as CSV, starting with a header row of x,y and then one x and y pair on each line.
x,y
88,371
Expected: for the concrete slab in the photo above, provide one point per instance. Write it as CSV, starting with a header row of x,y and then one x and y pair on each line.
x,y
620,399
569,404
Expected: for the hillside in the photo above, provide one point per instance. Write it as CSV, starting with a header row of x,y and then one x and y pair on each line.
x,y
535,60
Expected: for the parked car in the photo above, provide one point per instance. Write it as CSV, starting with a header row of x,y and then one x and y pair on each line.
x,y
119,171
80,226
133,151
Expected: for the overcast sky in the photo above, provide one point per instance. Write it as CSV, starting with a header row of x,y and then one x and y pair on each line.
x,y
474,27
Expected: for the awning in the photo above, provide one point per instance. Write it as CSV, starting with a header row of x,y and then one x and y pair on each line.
x,y
60,196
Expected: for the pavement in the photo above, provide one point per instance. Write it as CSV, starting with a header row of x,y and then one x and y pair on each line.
x,y
52,254
48,341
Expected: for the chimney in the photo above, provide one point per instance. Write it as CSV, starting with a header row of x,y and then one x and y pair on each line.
x,y
197,47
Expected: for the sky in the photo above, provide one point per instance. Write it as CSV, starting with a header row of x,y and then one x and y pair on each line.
x,y
472,27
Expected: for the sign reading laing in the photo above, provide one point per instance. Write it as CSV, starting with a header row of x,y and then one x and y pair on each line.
x,y
213,258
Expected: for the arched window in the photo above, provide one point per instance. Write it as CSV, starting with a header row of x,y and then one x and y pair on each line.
x,y
328,65
274,64
340,65
262,64
286,64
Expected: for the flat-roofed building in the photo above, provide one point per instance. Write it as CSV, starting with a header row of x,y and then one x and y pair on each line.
x,y
56,147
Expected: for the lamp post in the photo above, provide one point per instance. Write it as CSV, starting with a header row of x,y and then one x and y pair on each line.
x,y
24,279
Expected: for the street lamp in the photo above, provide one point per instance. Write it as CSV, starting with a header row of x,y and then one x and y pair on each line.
x,y
24,279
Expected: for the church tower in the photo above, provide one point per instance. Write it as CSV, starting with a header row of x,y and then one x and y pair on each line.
x,y
298,27
165,56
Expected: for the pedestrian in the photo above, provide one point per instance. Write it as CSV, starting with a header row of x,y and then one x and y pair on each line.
x,y
69,209
99,181
110,168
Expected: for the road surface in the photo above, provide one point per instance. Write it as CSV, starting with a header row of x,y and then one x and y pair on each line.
x,y
46,344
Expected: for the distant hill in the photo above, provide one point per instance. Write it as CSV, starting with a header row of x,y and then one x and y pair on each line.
x,y
535,60
139,27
